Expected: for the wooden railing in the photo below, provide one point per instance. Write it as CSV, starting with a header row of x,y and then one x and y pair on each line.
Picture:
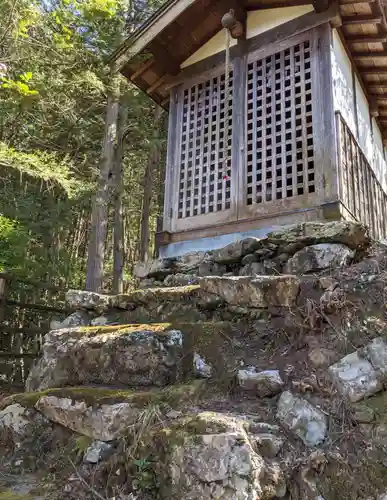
x,y
26,310
360,191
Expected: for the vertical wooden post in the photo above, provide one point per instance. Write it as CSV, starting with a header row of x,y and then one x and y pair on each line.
x,y
3,297
325,157
171,188
238,162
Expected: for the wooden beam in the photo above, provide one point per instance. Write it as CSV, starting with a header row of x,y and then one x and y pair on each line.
x,y
156,85
361,19
370,55
273,36
134,45
366,38
353,2
373,89
258,5
373,71
142,69
374,108
164,57
320,5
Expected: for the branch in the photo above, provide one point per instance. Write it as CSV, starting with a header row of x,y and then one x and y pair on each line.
x,y
86,484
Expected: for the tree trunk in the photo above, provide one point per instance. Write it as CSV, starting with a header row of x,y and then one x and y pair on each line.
x,y
99,215
118,224
153,161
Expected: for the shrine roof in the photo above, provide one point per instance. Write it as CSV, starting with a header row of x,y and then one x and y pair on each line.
x,y
151,58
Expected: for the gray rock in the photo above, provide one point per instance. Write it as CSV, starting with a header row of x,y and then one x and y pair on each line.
x,y
97,451
202,369
269,445
152,268
211,269
180,279
78,299
264,383
235,251
362,413
302,418
78,318
14,418
320,356
99,321
160,268
260,292
318,257
295,237
19,423
220,463
376,353
129,355
103,423
263,268
249,259
253,269
355,377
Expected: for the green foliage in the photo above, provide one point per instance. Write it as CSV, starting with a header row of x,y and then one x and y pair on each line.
x,y
81,443
13,242
53,90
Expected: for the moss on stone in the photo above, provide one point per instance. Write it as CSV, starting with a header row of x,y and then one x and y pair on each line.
x,y
11,495
158,328
146,295
378,404
173,396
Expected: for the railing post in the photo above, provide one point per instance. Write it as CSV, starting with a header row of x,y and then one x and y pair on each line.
x,y
3,296
339,156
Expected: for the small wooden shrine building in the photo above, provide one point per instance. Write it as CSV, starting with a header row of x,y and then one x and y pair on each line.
x,y
295,131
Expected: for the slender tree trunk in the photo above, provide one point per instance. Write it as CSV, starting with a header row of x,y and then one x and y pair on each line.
x,y
99,215
118,224
153,161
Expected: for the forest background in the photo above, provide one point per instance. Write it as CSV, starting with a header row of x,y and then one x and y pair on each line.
x,y
82,151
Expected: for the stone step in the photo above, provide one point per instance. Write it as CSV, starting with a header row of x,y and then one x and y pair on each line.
x,y
203,294
146,355
97,412
198,454
300,248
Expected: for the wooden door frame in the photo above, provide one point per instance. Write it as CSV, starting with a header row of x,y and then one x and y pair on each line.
x,y
320,33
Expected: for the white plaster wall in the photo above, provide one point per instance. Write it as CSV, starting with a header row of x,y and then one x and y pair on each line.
x,y
379,164
343,96
364,122
258,21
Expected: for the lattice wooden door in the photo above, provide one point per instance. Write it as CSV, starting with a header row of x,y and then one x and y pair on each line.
x,y
280,168
204,156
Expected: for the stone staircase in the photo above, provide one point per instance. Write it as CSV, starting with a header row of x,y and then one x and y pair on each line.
x,y
226,387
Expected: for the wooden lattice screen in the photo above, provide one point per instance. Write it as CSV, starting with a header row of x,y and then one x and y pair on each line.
x,y
279,132
360,190
204,177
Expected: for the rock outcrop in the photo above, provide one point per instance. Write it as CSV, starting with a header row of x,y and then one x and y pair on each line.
x,y
128,355
256,371
296,249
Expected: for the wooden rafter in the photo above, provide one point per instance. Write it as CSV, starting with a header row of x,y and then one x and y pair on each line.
x,y
142,69
362,19
370,55
354,2
366,38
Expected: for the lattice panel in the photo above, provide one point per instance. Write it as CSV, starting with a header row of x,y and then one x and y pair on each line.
x,y
205,153
361,192
279,126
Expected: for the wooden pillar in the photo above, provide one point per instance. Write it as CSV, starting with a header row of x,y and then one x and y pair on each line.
x,y
324,136
171,188
238,174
